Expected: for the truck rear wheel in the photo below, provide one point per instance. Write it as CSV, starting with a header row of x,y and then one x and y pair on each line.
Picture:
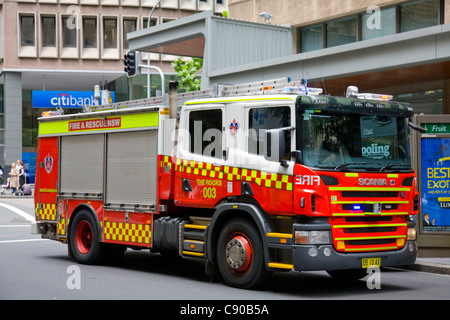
x,y
240,255
83,241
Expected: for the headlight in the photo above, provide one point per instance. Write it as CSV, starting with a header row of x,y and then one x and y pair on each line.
x,y
312,237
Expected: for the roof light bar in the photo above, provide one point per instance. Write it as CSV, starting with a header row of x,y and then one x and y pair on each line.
x,y
375,96
353,92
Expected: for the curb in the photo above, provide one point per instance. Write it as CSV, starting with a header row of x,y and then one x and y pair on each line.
x,y
429,268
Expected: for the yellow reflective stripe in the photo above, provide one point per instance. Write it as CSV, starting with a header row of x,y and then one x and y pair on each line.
x,y
351,175
367,189
371,238
371,249
195,226
277,265
191,253
194,102
369,202
371,225
129,121
279,235
338,214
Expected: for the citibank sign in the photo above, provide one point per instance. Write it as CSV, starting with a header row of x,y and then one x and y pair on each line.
x,y
63,99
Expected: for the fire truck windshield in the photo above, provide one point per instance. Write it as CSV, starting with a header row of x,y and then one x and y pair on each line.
x,y
353,141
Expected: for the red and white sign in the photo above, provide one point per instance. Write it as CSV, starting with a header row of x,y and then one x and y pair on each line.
x,y
95,124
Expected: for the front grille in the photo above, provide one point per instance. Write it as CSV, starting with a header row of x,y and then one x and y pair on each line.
x,y
369,194
369,218
368,234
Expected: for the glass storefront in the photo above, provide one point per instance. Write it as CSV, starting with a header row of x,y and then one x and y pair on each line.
x,y
125,89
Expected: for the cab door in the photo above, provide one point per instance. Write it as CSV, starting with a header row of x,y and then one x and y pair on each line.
x,y
198,177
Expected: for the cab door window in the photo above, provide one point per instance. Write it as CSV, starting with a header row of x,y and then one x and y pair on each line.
x,y
262,119
205,129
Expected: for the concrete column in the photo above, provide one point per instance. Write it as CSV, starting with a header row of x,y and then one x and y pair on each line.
x,y
13,117
447,11
446,97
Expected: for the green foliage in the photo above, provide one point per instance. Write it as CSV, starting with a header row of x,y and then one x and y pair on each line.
x,y
185,72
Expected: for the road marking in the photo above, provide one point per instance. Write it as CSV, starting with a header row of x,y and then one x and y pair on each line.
x,y
15,226
21,213
23,240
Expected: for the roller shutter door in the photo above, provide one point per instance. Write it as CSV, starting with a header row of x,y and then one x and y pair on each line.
x,y
82,164
131,168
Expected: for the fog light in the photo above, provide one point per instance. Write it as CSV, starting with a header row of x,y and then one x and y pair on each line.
x,y
327,252
411,234
411,247
313,252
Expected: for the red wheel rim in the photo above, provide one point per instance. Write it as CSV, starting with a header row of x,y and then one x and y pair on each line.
x,y
84,237
239,253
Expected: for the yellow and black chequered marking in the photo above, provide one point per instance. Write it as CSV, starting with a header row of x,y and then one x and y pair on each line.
x,y
232,173
47,211
127,232
267,179
199,168
62,226
264,179
166,162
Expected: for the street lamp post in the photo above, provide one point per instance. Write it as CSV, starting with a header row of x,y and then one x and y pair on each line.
x,y
148,54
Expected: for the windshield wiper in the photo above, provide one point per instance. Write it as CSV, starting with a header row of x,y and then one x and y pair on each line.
x,y
390,166
344,165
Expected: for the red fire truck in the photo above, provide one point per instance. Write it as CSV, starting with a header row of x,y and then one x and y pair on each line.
x,y
251,179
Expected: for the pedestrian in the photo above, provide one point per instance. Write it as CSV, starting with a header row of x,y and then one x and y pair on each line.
x,y
21,171
14,178
5,186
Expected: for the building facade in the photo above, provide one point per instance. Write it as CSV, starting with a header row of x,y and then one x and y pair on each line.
x,y
73,45
352,28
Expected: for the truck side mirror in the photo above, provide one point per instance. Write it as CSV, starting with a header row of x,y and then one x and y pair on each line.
x,y
275,145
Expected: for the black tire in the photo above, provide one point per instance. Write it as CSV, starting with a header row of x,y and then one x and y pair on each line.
x,y
348,275
240,255
83,241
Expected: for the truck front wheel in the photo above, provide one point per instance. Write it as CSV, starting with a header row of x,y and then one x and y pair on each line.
x,y
240,255
83,241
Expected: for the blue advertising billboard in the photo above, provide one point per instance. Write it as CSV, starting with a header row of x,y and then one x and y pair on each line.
x,y
435,162
64,99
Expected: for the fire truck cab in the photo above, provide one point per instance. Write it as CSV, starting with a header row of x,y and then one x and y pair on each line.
x,y
254,179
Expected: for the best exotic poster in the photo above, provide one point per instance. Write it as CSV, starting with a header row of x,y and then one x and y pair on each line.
x,y
436,184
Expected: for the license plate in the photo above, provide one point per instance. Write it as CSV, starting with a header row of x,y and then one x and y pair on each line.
x,y
369,262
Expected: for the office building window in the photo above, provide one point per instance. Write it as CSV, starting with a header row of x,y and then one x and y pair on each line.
x,y
48,31
89,32
129,25
419,14
27,31
110,33
342,31
311,38
374,23
378,23
69,32
153,22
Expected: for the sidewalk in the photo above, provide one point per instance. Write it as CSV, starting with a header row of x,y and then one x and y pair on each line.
x,y
8,194
431,265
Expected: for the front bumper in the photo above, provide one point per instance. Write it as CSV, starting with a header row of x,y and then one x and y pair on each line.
x,y
333,260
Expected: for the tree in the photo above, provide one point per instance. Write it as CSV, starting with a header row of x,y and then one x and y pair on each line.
x,y
185,71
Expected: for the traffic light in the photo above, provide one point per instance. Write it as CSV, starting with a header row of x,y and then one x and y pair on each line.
x,y
131,63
